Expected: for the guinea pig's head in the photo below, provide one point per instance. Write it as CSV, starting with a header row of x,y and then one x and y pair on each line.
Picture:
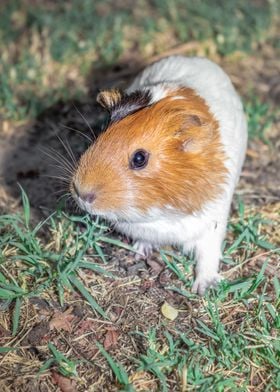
x,y
153,159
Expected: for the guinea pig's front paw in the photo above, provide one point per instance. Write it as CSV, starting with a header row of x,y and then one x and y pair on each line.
x,y
143,250
204,282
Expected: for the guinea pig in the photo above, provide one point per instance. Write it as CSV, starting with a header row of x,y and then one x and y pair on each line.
x,y
165,169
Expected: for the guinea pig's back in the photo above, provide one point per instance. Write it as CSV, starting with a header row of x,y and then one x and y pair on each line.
x,y
180,70
212,84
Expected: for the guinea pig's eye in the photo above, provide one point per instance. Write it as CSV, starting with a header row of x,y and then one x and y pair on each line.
x,y
139,159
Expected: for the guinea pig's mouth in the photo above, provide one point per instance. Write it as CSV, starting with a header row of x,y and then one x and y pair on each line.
x,y
87,201
85,206
111,216
106,215
88,207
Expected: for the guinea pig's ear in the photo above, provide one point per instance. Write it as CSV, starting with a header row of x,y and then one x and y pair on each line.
x,y
109,99
120,104
195,133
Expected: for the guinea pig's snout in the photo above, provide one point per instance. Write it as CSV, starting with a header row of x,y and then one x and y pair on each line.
x,y
86,197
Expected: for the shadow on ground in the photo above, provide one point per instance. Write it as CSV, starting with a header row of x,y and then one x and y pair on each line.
x,y
31,156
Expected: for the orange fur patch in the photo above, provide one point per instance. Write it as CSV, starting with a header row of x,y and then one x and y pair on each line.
x,y
186,165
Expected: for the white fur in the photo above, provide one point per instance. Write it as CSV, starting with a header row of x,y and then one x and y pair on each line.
x,y
203,232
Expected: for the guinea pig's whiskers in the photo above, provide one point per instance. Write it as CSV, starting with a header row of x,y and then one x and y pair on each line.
x,y
86,121
68,150
65,179
62,159
55,193
113,225
75,207
77,131
64,195
57,157
63,171
63,162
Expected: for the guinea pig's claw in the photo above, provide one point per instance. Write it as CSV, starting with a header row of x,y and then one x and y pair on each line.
x,y
143,250
202,283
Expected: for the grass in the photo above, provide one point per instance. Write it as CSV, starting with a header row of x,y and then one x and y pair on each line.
x,y
212,344
64,366
247,230
230,340
260,117
47,53
55,264
214,354
162,358
118,370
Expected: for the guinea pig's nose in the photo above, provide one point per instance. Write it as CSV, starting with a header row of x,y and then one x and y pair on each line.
x,y
87,197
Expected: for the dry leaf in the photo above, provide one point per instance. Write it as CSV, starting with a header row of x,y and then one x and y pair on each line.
x,y
65,384
85,326
252,153
111,339
168,311
62,320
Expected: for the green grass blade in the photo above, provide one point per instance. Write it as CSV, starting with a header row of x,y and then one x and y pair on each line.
x,y
7,294
4,350
118,243
96,268
81,288
16,316
119,371
46,366
26,206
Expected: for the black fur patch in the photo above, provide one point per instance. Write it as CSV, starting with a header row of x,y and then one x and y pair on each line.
x,y
129,103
